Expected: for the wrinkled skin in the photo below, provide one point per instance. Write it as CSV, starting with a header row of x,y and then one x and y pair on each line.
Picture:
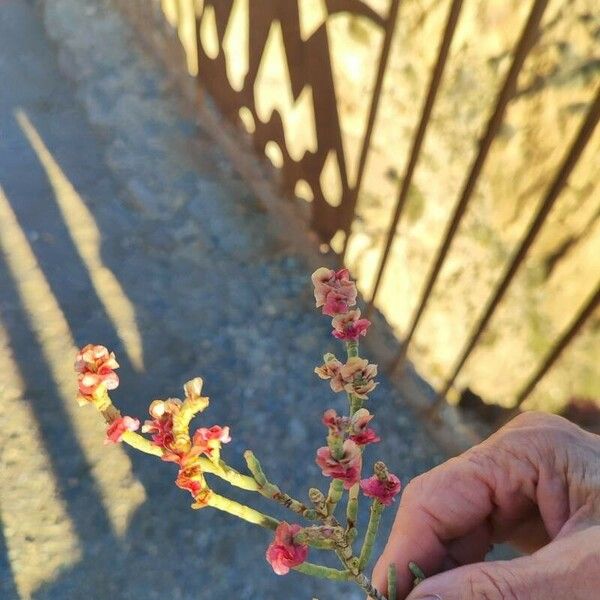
x,y
534,483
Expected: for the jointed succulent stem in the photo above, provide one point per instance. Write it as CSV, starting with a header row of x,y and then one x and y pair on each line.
x,y
352,507
272,491
371,534
139,442
323,572
242,511
392,580
336,489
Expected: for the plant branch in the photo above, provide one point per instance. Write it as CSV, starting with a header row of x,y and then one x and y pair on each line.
x,y
371,534
242,511
392,579
321,571
336,488
270,490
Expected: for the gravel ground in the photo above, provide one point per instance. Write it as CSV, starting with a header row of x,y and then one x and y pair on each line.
x,y
183,276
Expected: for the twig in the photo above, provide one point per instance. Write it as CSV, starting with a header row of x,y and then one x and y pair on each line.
x,y
370,535
272,491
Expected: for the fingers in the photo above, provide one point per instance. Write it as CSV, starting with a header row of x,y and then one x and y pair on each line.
x,y
437,508
565,569
451,515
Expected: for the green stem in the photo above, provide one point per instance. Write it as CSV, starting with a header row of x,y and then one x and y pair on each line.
x,y
371,534
229,474
135,440
392,579
321,571
417,573
355,403
272,491
352,564
242,511
336,488
363,582
352,506
352,348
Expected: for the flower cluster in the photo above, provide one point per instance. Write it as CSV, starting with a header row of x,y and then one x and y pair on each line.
x,y
356,426
356,376
334,291
198,452
383,486
95,366
168,428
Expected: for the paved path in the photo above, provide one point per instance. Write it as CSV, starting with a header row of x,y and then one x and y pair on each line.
x,y
121,224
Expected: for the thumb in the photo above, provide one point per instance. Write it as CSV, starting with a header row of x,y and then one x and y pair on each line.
x,y
502,580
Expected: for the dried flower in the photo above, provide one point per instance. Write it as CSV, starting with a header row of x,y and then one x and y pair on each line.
x,y
190,476
359,430
331,369
349,326
382,490
193,388
207,439
333,290
95,366
283,553
357,375
347,467
118,427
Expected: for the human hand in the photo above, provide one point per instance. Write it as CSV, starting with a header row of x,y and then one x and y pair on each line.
x,y
536,484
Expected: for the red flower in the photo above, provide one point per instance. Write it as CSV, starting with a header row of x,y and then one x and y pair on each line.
x,y
349,326
206,439
347,467
118,427
283,553
359,430
384,491
333,290
161,425
95,365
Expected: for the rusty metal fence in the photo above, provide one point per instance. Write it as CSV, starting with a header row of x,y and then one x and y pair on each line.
x,y
308,64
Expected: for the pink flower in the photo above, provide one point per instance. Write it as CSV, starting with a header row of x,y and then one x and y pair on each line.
x,y
357,375
118,427
331,370
95,366
208,439
347,467
334,422
359,430
333,290
161,425
283,553
384,491
349,326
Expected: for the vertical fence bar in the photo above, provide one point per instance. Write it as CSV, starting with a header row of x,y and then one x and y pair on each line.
x,y
374,107
525,44
584,314
434,84
585,133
